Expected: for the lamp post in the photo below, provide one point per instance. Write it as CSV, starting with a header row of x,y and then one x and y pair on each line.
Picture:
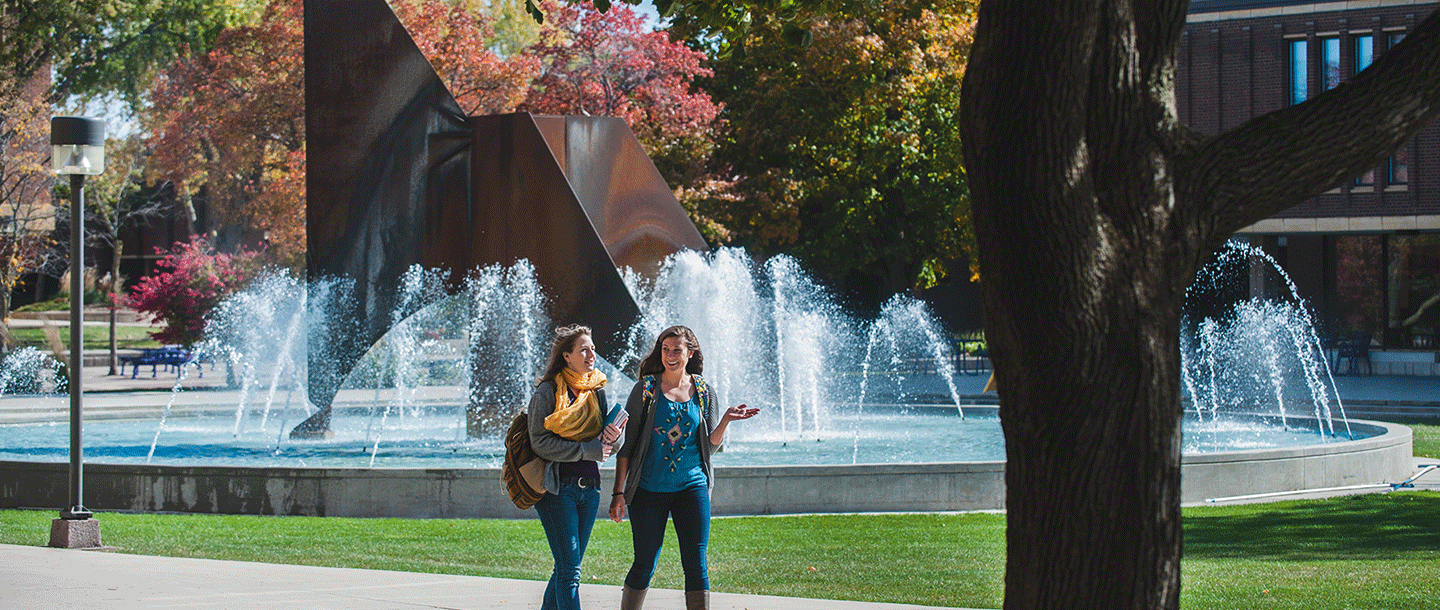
x,y
77,150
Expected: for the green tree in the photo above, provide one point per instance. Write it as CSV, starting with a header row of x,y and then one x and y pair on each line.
x,y
514,28
98,47
844,152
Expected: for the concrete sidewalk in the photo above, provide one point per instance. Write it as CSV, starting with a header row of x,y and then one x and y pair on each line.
x,y
41,577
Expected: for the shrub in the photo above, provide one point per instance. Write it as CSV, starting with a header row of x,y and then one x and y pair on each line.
x,y
195,280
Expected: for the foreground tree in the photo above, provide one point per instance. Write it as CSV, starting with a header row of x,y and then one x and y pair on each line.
x,y
1094,207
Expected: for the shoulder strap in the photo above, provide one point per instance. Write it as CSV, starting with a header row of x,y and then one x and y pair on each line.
x,y
647,391
702,393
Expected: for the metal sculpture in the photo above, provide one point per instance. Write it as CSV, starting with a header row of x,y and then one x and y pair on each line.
x,y
397,175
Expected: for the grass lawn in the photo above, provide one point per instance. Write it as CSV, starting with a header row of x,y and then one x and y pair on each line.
x,y
96,337
1427,439
1361,552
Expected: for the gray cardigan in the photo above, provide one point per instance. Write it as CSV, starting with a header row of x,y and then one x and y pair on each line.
x,y
637,438
552,447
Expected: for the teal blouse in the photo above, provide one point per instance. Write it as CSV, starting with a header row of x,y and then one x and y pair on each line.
x,y
674,460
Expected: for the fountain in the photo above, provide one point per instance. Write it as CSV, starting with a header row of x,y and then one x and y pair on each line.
x,y
1254,356
857,415
29,371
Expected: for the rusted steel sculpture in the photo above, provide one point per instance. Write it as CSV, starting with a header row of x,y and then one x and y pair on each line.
x,y
397,175
626,199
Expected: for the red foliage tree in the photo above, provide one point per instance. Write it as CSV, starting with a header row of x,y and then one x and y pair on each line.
x,y
607,64
229,126
197,279
457,42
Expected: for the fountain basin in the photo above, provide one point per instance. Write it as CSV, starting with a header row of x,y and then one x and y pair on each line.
x,y
1384,456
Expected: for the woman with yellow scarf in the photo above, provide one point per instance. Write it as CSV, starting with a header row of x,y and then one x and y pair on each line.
x,y
567,429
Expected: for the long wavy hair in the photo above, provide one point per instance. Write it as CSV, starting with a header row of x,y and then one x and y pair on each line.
x,y
651,364
564,342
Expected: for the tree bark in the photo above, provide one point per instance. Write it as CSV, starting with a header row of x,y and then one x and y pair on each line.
x,y
6,340
115,286
1093,208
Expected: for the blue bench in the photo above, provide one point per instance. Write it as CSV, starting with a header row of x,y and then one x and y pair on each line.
x,y
971,363
168,357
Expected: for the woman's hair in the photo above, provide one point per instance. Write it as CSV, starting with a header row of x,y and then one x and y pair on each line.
x,y
564,342
652,365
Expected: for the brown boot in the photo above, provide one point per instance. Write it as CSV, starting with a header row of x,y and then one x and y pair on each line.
x,y
697,600
632,599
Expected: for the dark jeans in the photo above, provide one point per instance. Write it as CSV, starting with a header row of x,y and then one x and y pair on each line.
x,y
568,517
690,509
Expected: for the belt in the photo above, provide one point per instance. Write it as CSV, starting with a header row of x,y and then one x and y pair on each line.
x,y
581,482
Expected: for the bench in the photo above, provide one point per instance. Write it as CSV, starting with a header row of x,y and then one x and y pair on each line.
x,y
972,357
168,356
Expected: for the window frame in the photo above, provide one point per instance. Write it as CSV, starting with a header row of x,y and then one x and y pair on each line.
x,y
1298,54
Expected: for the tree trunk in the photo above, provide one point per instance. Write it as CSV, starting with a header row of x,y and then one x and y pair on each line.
x,y
1093,209
6,340
115,286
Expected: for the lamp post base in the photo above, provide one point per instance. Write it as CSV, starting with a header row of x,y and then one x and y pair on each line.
x,y
75,533
76,512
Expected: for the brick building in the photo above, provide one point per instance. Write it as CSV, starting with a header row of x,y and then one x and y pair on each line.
x,y
1366,256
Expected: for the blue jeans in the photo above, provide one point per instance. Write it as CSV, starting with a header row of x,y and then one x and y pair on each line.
x,y
567,516
690,509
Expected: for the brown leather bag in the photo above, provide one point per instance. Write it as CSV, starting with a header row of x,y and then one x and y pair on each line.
x,y
523,471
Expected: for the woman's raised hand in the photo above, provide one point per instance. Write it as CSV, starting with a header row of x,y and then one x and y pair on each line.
x,y
741,412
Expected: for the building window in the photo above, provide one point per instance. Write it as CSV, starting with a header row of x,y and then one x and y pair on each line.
x,y
1299,60
1330,70
1413,283
1364,52
1364,56
1386,285
1366,179
1359,278
1400,166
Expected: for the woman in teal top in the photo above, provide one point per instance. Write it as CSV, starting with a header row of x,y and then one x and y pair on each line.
x,y
663,471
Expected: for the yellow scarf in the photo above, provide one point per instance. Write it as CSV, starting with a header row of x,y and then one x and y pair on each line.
x,y
580,419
